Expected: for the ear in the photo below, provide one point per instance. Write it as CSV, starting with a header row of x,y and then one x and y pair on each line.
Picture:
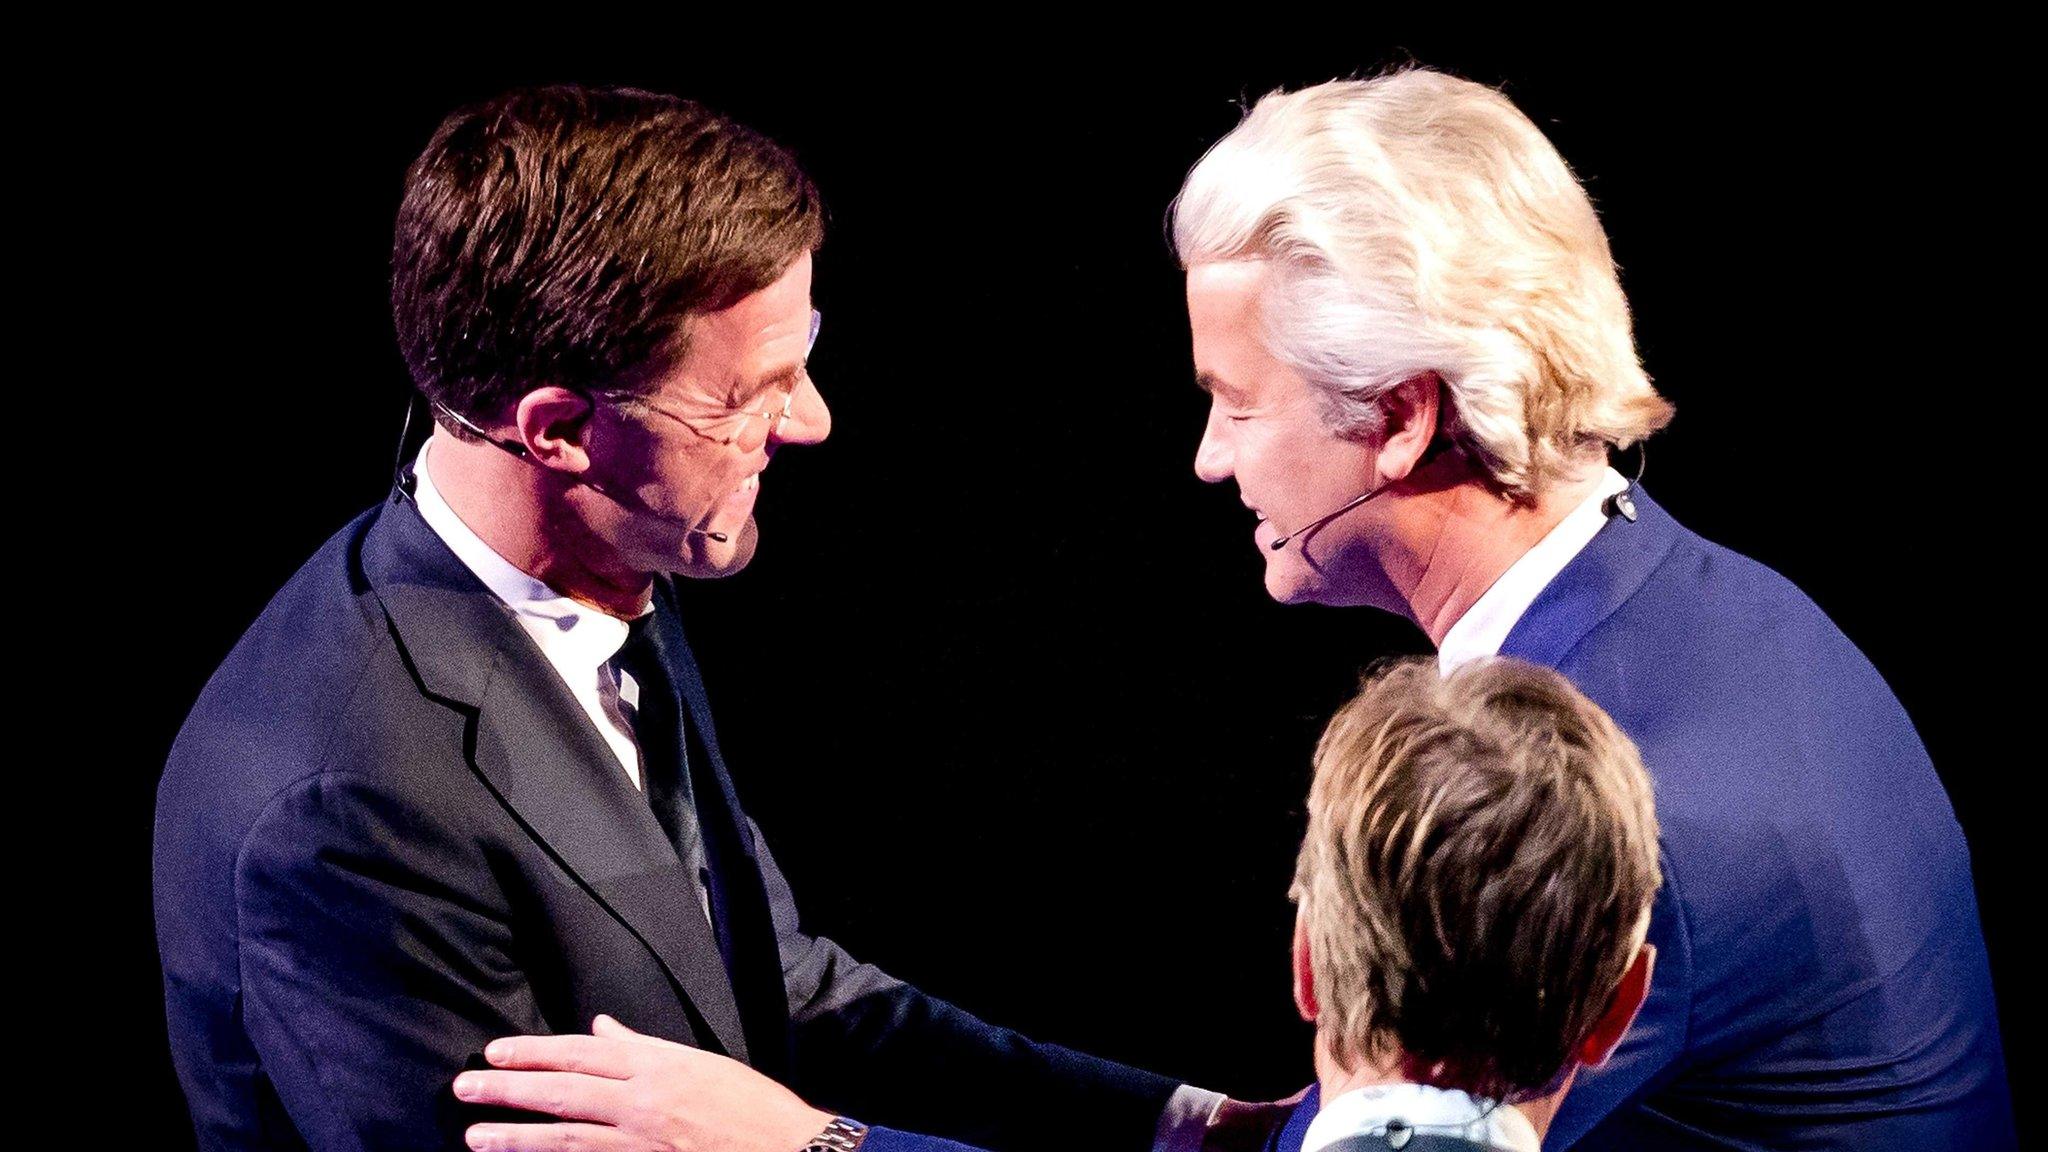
x,y
1304,974
554,424
1621,1010
1413,409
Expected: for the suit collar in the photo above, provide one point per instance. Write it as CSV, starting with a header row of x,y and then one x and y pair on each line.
x,y
1605,573
536,749
1484,627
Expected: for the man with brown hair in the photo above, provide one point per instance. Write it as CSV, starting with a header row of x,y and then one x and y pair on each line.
x,y
460,779
1474,891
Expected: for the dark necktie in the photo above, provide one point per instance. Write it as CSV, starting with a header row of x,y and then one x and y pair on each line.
x,y
704,823
664,754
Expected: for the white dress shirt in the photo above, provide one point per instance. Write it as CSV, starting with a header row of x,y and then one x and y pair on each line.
x,y
1437,1111
1485,626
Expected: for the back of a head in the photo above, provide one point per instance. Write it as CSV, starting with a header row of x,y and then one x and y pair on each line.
x,y
1477,874
560,236
1420,223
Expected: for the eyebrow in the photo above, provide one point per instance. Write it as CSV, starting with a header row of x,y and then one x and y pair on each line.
x,y
787,374
1217,386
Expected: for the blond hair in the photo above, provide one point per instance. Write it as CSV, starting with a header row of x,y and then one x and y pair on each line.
x,y
1418,223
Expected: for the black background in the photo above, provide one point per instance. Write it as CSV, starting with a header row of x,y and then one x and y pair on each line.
x,y
1002,685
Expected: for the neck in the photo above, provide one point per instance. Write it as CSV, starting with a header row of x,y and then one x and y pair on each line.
x,y
524,516
1335,1077
1541,1110
1460,537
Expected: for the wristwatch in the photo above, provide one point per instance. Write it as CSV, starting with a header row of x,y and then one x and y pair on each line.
x,y
841,1135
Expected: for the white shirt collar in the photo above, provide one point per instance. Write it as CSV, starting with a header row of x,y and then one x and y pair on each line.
x,y
1485,626
575,637
1438,1111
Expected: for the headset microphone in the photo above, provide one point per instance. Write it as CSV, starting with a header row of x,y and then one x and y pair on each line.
x,y
518,451
1281,542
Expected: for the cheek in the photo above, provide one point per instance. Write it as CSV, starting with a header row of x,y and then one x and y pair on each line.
x,y
1284,464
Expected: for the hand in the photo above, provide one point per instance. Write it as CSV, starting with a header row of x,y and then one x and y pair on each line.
x,y
620,1091
1243,1125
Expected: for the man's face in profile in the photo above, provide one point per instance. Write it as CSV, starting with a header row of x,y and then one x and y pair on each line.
x,y
1266,431
690,455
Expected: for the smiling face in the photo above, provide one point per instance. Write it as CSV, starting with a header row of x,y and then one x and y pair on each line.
x,y
1266,431
682,465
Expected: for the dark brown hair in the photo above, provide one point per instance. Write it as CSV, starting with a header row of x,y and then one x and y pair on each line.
x,y
1480,859
561,235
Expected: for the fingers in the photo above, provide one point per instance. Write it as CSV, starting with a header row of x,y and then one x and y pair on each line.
x,y
611,1058
552,1138
569,1095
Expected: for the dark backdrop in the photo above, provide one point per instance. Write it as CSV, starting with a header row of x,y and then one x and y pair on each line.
x,y
1002,684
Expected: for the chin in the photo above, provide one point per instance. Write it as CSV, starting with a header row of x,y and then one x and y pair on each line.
x,y
1286,584
705,559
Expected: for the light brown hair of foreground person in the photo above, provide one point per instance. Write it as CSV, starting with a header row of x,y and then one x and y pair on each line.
x,y
1476,879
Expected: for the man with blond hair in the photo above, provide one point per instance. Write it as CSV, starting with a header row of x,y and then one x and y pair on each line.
x,y
1418,354
1474,893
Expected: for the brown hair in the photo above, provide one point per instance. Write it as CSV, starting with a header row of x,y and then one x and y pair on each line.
x,y
561,235
1480,859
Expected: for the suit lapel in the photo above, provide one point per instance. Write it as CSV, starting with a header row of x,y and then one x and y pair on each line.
x,y
537,750
1605,573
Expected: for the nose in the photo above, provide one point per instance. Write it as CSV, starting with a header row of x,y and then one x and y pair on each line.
x,y
1213,459
809,419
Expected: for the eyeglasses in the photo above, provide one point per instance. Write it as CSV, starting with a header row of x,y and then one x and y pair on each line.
x,y
750,428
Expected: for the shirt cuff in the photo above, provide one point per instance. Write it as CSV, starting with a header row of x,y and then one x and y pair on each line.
x,y
1184,1122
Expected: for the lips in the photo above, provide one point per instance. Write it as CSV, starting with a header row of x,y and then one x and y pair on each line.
x,y
742,494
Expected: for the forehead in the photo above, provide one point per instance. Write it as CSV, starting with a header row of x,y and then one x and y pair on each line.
x,y
1231,358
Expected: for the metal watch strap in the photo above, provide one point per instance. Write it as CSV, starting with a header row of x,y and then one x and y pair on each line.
x,y
841,1135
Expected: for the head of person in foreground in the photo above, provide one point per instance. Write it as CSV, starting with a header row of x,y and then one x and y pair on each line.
x,y
1474,888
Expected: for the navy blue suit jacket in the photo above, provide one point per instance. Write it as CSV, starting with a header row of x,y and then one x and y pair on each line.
x,y
387,834
1821,978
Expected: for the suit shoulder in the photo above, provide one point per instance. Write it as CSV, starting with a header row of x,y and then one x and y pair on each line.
x,y
316,675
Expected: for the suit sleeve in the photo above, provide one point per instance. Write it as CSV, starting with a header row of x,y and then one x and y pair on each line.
x,y
372,966
878,1050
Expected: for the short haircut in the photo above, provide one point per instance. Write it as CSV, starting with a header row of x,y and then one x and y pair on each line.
x,y
561,235
1478,871
1419,223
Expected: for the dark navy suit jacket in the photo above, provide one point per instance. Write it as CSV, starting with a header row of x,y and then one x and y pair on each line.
x,y
1821,978
387,834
